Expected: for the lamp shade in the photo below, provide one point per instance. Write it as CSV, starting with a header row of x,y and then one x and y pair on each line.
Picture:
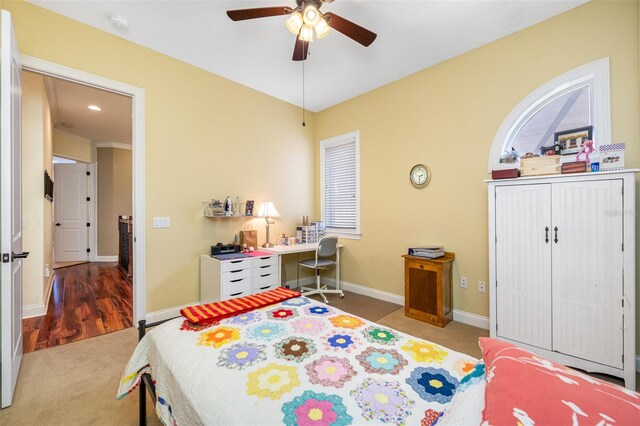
x,y
267,209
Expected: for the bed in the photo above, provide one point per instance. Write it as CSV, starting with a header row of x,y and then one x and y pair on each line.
x,y
301,362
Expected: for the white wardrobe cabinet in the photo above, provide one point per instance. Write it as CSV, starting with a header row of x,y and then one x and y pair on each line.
x,y
562,266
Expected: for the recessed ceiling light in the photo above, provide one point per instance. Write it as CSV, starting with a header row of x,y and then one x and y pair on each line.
x,y
94,108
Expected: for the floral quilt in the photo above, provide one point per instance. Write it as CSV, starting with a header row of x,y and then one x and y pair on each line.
x,y
299,362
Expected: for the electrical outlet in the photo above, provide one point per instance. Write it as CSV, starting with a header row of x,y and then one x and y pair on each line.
x,y
162,222
463,282
482,287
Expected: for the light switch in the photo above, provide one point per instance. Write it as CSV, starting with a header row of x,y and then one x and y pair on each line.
x,y
162,222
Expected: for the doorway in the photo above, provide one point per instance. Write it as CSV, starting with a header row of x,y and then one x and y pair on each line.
x,y
81,127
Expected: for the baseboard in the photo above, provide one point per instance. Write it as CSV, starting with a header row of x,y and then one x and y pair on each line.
x,y
38,309
471,319
458,315
166,314
35,310
366,291
106,259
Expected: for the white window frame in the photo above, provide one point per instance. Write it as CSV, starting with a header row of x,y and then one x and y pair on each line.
x,y
330,143
594,74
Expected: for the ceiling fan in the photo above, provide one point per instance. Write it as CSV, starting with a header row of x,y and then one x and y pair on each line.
x,y
305,21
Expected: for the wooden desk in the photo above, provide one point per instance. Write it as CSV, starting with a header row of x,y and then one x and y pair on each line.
x,y
427,289
302,248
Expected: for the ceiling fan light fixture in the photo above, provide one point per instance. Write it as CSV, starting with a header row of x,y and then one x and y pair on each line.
x,y
306,33
294,22
322,29
311,15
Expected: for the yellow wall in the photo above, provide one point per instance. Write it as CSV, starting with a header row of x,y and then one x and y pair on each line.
x,y
114,196
205,137
67,145
446,116
36,210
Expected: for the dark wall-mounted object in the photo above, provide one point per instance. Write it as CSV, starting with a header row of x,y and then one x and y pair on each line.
x,y
48,186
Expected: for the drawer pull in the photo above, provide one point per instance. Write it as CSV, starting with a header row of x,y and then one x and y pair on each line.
x,y
265,275
236,271
264,288
235,281
236,261
267,266
265,258
236,294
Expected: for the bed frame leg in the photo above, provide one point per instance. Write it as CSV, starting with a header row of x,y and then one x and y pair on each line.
x,y
142,408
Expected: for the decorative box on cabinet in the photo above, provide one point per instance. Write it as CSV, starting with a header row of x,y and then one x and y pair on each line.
x,y
427,289
226,279
562,268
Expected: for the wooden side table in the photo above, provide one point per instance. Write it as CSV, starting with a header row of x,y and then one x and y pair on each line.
x,y
427,289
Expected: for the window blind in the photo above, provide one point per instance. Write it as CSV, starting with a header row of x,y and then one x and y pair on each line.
x,y
340,186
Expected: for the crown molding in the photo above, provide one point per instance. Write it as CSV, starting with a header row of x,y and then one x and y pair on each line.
x,y
73,136
118,145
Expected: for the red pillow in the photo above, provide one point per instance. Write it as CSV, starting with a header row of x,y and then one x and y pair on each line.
x,y
524,388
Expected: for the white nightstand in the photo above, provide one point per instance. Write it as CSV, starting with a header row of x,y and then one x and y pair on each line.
x,y
226,279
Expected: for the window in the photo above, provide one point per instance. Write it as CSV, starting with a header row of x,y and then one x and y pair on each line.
x,y
340,184
575,99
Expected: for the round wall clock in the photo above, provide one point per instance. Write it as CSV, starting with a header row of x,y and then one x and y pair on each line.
x,y
420,175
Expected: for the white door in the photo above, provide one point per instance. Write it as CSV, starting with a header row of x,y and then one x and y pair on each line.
x,y
10,209
70,212
587,270
523,264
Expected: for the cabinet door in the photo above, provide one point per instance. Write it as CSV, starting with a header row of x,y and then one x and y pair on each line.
x,y
587,270
523,264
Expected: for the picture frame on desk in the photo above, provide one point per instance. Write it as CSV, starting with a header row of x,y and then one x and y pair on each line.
x,y
248,210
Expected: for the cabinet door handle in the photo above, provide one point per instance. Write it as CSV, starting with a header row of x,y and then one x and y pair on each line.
x,y
555,239
546,234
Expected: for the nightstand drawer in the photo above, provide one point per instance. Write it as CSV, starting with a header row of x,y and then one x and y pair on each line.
x,y
237,294
235,265
265,269
264,280
236,288
265,261
264,288
235,275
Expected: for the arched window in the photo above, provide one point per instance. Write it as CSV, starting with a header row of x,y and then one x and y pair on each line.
x,y
575,99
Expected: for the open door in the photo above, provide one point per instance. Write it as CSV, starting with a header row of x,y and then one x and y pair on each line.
x,y
71,237
10,209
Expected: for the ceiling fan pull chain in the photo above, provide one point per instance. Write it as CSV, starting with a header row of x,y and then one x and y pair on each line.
x,y
303,61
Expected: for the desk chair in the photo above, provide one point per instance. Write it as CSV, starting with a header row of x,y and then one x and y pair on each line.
x,y
325,259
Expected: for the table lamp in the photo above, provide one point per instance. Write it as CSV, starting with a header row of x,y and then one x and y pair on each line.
x,y
268,210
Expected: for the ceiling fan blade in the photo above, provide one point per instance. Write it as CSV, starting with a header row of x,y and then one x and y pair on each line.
x,y
260,12
300,50
351,30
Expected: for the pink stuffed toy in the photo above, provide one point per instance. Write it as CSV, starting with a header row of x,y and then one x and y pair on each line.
x,y
587,148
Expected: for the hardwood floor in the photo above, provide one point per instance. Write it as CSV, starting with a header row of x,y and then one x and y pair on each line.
x,y
86,300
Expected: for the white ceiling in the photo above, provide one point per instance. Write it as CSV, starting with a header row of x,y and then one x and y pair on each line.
x,y
412,35
69,104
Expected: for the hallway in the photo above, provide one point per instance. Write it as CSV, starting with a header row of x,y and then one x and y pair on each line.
x,y
86,300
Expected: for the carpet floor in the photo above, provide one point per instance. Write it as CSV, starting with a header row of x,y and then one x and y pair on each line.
x,y
75,384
